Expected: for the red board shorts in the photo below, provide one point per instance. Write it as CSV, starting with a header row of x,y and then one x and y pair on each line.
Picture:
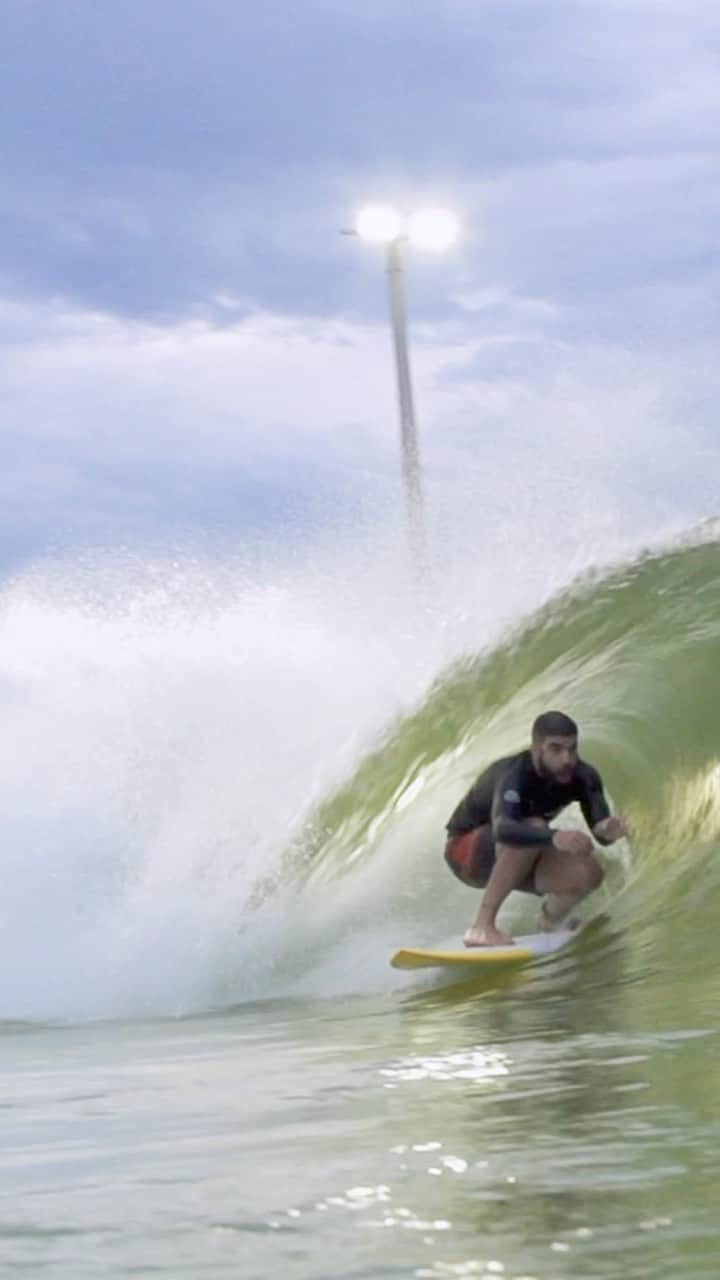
x,y
471,857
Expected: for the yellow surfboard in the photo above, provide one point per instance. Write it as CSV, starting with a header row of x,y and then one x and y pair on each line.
x,y
526,948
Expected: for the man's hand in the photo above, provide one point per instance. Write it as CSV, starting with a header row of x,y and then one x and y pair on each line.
x,y
611,828
572,842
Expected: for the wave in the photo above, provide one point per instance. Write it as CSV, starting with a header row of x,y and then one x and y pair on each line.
x,y
633,655
189,821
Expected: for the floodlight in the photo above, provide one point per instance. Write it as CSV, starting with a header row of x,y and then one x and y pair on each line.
x,y
433,228
379,223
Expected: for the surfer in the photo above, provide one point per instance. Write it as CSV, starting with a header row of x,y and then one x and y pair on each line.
x,y
500,838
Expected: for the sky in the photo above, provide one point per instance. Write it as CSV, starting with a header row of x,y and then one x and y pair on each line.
x,y
190,352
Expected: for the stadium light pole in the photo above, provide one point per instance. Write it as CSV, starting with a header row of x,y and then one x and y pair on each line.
x,y
433,229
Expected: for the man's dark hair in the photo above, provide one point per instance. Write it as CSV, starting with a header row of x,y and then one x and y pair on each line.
x,y
554,724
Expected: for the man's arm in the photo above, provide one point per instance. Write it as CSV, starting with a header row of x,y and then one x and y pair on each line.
x,y
509,819
605,826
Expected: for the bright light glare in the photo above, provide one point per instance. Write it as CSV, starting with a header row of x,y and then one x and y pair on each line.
x,y
433,228
379,223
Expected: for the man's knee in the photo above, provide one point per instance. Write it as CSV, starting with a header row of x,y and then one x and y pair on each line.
x,y
586,850
590,874
597,872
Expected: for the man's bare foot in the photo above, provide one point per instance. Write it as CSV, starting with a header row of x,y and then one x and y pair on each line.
x,y
553,924
487,937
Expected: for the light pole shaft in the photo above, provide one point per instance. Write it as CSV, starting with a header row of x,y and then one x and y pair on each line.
x,y
408,429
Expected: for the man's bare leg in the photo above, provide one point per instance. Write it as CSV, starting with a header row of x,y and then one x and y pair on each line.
x,y
556,911
565,879
512,865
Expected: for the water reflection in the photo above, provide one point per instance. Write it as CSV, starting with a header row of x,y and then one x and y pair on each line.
x,y
470,1064
564,1131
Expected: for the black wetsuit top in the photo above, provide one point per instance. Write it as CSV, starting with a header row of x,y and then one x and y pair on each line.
x,y
511,790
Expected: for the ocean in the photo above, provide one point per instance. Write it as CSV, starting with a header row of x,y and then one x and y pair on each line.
x,y
223,801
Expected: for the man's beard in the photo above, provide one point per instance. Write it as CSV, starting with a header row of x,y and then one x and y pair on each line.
x,y
549,775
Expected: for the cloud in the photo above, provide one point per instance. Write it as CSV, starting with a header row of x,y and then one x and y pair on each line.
x,y
130,389
174,153
500,299
121,428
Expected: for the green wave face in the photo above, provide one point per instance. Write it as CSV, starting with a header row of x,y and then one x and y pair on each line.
x,y
634,657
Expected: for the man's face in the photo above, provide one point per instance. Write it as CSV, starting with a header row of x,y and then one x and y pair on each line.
x,y
557,758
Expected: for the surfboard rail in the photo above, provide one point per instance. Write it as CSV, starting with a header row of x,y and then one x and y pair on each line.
x,y
524,950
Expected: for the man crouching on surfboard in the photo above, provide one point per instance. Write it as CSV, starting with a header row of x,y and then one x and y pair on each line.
x,y
499,837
